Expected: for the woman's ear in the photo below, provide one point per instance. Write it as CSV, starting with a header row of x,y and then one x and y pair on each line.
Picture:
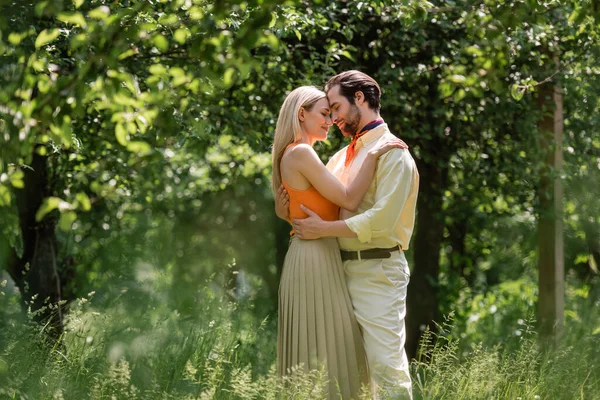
x,y
301,114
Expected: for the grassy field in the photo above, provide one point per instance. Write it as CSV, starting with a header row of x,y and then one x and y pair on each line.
x,y
130,344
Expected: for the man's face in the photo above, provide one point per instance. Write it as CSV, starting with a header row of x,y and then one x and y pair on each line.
x,y
343,113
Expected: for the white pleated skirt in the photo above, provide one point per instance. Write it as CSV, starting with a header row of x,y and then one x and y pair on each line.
x,y
317,328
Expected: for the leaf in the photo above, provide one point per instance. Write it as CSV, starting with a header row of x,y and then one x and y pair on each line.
x,y
78,3
298,34
459,95
48,205
121,134
78,41
157,69
139,147
66,220
474,51
75,18
16,179
161,42
4,196
181,35
516,92
347,54
457,78
14,38
46,36
168,19
40,7
127,53
84,201
100,13
577,16
228,76
446,89
176,72
196,13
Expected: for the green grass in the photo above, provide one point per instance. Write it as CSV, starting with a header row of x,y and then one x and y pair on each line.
x,y
568,371
132,344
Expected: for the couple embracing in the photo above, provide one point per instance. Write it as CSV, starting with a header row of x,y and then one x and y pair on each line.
x,y
342,295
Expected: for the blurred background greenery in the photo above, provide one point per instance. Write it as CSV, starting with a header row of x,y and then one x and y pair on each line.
x,y
139,251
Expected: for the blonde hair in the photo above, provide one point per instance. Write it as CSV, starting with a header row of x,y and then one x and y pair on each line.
x,y
288,129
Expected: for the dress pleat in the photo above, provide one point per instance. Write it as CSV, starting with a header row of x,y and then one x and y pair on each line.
x,y
317,327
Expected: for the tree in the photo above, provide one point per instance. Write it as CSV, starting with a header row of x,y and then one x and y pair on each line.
x,y
93,96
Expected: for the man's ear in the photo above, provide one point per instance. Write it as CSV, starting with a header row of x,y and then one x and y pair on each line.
x,y
301,114
359,97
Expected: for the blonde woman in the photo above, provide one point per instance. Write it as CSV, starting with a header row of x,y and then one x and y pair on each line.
x,y
317,327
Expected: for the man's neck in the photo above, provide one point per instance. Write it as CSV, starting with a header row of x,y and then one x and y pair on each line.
x,y
367,117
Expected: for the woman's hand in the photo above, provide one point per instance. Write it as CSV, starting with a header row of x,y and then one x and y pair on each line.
x,y
383,147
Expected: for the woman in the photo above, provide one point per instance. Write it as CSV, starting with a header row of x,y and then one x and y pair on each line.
x,y
317,327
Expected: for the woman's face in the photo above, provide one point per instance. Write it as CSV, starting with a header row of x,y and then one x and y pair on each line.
x,y
317,120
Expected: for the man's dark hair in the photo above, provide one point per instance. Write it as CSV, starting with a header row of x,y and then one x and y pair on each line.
x,y
353,81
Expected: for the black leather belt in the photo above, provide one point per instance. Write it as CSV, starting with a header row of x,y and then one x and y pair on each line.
x,y
368,254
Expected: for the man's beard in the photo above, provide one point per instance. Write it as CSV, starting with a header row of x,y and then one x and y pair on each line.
x,y
352,121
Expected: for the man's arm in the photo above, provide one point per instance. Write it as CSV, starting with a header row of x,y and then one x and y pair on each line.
x,y
313,227
396,175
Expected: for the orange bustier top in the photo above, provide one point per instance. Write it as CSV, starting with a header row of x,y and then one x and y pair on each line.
x,y
313,200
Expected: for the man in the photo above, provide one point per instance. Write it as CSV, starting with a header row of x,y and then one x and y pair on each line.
x,y
373,238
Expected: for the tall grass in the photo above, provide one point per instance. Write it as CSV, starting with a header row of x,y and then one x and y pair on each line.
x,y
570,370
131,343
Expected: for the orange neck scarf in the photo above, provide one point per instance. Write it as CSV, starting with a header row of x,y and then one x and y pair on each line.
x,y
351,150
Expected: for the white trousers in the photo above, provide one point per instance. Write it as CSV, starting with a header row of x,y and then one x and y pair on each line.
x,y
378,291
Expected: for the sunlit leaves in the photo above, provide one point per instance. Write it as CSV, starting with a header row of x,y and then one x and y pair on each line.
x,y
139,147
517,92
181,35
457,78
99,13
121,134
46,36
228,77
66,220
83,201
161,42
50,204
75,18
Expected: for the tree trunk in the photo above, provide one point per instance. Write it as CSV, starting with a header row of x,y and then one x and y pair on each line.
x,y
550,226
422,308
36,273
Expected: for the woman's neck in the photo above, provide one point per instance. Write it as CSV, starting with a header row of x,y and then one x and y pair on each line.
x,y
305,139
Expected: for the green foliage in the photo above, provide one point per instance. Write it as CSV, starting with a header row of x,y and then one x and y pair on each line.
x,y
568,372
104,89
126,341
129,343
155,120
